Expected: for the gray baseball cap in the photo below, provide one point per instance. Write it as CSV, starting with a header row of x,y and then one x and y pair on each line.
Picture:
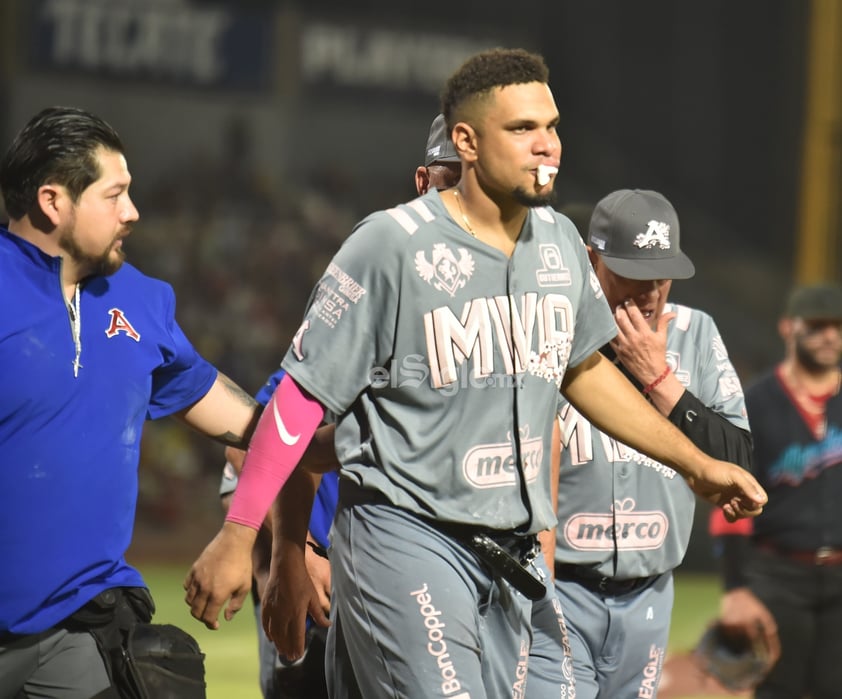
x,y
636,233
440,147
815,302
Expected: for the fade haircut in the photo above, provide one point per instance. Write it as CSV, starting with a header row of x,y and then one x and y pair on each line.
x,y
58,146
475,80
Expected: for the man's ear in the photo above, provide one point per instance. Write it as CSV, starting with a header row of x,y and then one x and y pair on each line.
x,y
51,199
785,328
465,141
593,257
422,179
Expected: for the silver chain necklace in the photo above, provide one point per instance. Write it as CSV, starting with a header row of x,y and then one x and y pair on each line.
x,y
75,310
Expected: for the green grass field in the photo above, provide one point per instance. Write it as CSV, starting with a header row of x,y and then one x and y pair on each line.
x,y
231,663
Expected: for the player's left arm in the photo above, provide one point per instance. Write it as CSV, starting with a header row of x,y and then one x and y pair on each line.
x,y
225,413
600,392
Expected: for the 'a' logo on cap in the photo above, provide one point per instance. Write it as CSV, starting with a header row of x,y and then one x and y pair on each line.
x,y
658,234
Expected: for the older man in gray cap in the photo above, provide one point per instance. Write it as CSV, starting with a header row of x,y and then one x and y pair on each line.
x,y
624,520
442,167
785,572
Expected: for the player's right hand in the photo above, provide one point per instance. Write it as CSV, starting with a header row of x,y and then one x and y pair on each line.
x,y
318,567
221,573
290,596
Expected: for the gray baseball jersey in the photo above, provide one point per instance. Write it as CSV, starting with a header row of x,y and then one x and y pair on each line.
x,y
620,512
443,358
627,517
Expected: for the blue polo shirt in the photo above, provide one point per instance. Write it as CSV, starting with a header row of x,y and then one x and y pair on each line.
x,y
70,443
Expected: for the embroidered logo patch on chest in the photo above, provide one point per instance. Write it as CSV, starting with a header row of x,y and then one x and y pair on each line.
x,y
119,323
445,272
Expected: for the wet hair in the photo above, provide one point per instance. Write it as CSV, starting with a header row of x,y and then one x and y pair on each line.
x,y
482,72
58,146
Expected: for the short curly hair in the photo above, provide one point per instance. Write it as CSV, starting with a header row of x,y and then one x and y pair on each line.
x,y
484,71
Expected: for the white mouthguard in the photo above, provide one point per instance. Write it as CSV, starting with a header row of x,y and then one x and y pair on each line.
x,y
544,173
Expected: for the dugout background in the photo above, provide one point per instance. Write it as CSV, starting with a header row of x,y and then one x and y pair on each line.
x,y
258,133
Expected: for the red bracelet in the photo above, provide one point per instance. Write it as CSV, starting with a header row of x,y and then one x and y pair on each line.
x,y
651,386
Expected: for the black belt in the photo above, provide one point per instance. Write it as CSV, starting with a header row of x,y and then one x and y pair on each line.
x,y
507,554
97,612
822,556
7,637
610,587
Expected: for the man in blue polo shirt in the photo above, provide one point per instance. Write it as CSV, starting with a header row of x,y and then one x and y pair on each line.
x,y
89,350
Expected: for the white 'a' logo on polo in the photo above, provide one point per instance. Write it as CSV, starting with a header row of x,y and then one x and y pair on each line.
x,y
120,324
658,234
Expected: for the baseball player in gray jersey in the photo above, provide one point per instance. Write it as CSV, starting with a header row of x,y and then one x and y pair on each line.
x,y
624,519
440,336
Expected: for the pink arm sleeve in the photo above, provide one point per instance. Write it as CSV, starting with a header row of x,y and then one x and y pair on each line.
x,y
283,432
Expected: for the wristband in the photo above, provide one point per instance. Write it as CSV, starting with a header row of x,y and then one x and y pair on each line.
x,y
651,386
318,549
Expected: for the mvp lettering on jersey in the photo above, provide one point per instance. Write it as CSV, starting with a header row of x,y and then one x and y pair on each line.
x,y
498,336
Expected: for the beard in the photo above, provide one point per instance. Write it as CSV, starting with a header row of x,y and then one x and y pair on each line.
x,y
103,264
521,196
809,359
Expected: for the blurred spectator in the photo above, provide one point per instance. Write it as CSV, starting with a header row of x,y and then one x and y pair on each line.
x,y
783,571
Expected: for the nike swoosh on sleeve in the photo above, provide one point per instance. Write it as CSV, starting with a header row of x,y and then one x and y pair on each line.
x,y
285,436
